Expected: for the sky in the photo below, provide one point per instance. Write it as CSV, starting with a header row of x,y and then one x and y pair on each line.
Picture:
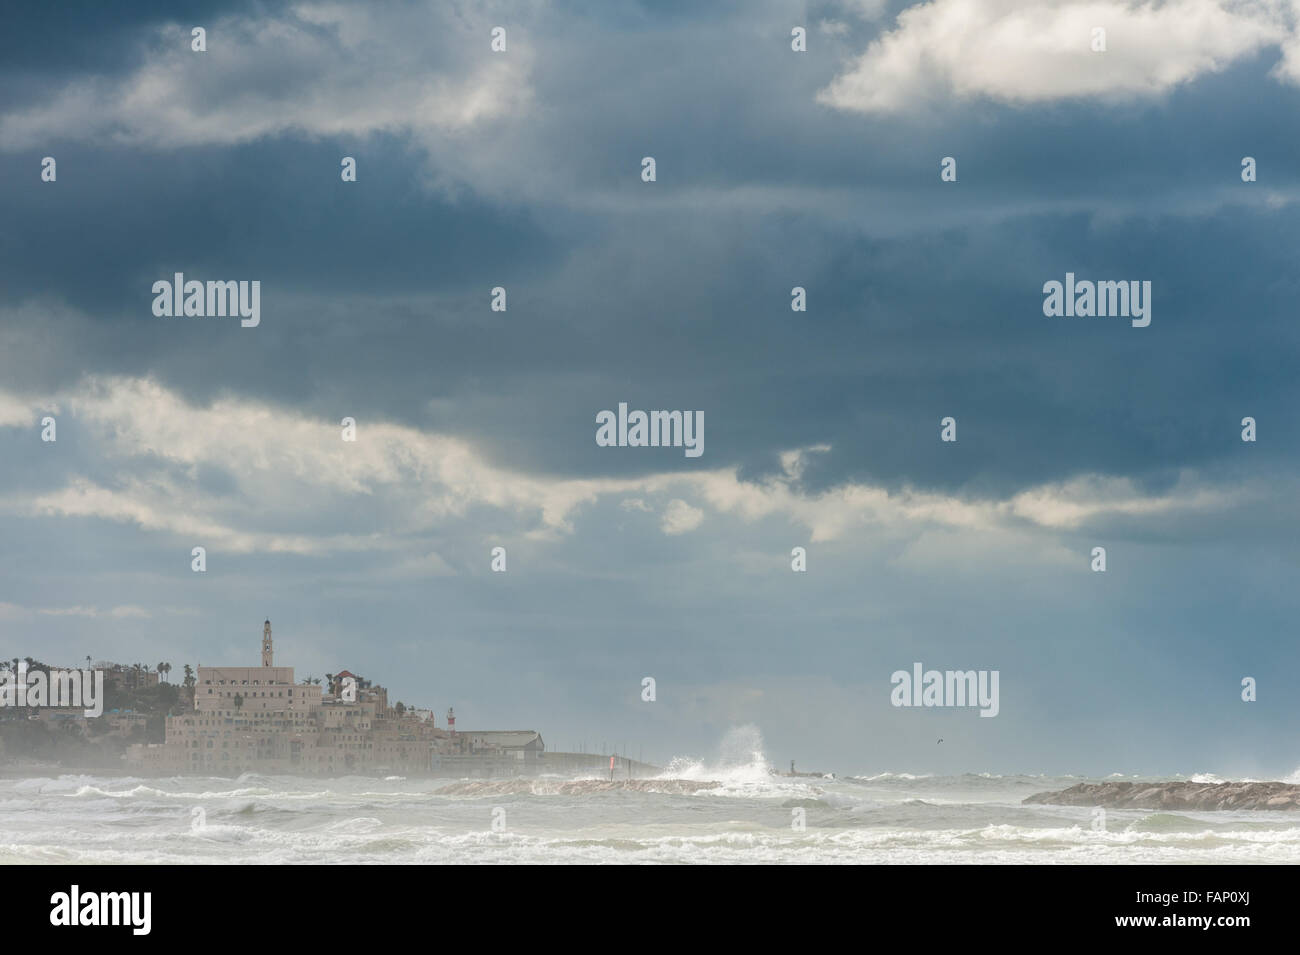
x,y
774,168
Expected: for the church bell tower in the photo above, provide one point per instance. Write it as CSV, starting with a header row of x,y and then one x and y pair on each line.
x,y
266,644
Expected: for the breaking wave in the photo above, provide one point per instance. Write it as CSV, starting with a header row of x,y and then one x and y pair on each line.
x,y
572,787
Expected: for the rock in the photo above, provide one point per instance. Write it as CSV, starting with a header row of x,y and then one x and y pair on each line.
x,y
1195,797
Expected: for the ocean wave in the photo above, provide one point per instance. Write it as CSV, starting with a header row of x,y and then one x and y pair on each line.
x,y
741,769
728,808
574,787
629,837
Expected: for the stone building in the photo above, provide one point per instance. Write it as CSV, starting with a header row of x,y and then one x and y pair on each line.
x,y
257,719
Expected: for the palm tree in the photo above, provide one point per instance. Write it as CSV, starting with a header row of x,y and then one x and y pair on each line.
x,y
306,681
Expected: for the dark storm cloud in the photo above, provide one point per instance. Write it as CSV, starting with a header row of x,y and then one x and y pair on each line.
x,y
51,42
924,301
925,298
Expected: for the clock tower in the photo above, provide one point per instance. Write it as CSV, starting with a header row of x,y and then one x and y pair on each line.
x,y
266,644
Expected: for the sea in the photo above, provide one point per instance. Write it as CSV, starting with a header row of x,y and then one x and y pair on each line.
x,y
695,812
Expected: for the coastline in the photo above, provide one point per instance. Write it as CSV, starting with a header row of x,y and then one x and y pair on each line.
x,y
1175,796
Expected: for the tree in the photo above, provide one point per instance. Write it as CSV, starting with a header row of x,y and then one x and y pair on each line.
x,y
29,661
239,702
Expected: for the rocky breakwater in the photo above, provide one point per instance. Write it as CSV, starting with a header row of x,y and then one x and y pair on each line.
x,y
1175,796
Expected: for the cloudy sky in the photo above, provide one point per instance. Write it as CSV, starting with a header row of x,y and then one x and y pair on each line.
x,y
476,428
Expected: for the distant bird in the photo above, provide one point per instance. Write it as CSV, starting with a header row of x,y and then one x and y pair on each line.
x,y
939,741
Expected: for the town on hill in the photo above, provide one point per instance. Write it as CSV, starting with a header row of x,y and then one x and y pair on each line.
x,y
224,721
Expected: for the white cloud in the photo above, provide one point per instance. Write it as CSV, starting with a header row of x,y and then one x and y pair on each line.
x,y
680,518
15,413
293,484
1072,503
287,465
10,611
118,613
1027,52
320,69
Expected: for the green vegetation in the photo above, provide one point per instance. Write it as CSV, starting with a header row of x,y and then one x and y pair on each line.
x,y
22,734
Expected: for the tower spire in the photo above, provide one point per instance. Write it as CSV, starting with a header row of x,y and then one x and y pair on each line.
x,y
266,644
